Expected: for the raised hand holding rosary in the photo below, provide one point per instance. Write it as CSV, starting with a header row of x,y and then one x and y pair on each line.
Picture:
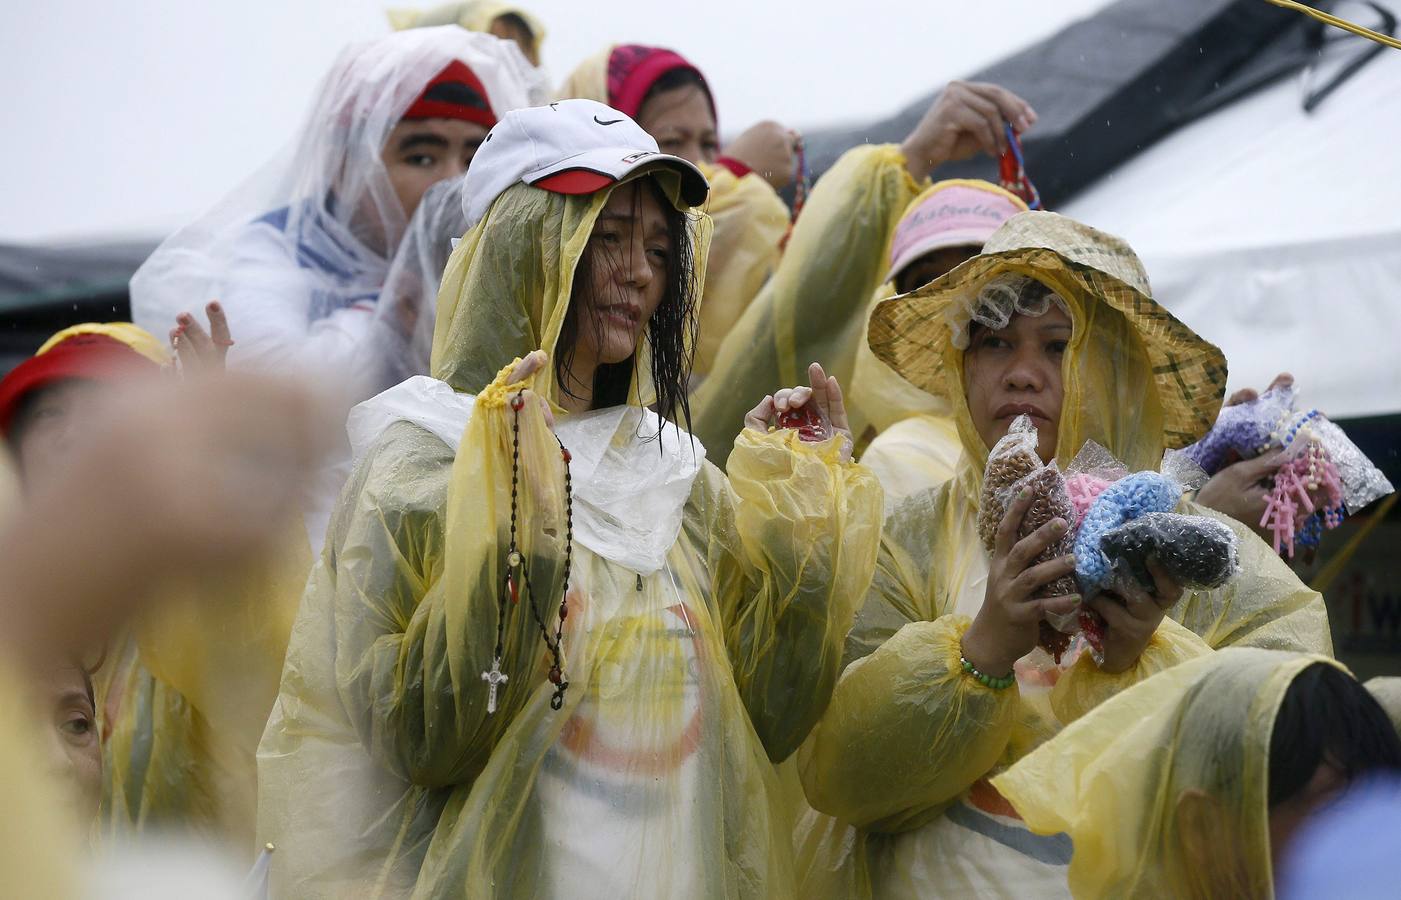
x,y
517,572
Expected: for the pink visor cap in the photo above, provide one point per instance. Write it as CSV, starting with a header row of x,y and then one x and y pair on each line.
x,y
959,212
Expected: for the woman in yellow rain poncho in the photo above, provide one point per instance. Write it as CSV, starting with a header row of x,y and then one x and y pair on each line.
x,y
904,749
704,614
815,305
1194,783
671,100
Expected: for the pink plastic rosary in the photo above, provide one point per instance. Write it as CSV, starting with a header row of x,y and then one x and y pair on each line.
x,y
1289,505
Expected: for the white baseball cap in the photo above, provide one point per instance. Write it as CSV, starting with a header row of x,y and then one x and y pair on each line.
x,y
569,147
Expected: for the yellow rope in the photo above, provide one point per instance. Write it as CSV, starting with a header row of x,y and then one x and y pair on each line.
x,y
1336,22
1323,579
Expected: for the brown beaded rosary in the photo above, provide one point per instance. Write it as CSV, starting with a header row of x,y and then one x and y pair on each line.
x,y
510,587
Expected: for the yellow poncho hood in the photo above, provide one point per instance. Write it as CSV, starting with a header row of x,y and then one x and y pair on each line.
x,y
528,247
1114,779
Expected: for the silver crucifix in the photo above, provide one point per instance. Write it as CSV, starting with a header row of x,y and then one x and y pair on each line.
x,y
494,679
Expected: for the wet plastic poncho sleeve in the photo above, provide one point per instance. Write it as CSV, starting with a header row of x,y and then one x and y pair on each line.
x,y
750,221
791,537
904,698
411,651
810,310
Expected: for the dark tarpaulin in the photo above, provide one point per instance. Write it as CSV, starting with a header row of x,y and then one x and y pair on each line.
x,y
45,289
1109,85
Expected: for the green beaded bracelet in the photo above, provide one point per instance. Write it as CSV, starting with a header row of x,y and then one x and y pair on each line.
x,y
988,681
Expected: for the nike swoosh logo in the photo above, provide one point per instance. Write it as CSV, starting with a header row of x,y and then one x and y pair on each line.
x,y
610,122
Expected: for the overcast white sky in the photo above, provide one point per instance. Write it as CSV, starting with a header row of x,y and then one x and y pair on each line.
x,y
129,118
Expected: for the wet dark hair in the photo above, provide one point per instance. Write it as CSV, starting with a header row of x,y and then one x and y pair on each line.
x,y
670,332
675,79
1327,716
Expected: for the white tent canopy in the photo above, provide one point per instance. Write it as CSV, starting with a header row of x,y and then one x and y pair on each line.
x,y
1276,234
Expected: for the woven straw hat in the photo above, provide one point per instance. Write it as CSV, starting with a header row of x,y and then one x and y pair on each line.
x,y
913,333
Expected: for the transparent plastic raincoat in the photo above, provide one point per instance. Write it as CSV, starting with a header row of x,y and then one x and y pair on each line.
x,y
812,309
749,224
905,746
704,631
297,255
1114,781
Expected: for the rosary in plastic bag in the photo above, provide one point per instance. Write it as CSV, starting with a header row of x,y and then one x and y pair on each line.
x,y
1118,521
1322,475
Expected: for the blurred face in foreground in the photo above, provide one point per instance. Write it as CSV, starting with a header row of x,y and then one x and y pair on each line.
x,y
50,423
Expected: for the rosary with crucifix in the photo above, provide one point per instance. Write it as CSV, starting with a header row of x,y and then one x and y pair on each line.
x,y
518,575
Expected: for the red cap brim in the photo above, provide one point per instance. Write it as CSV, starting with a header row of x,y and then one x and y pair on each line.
x,y
575,181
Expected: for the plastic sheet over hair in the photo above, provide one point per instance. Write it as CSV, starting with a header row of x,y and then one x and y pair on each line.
x,y
998,301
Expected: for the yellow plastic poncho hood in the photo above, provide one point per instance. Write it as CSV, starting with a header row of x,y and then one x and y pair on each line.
x,y
692,661
1114,780
473,339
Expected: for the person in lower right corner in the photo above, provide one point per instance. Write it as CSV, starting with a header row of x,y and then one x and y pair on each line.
x,y
1347,851
1195,783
